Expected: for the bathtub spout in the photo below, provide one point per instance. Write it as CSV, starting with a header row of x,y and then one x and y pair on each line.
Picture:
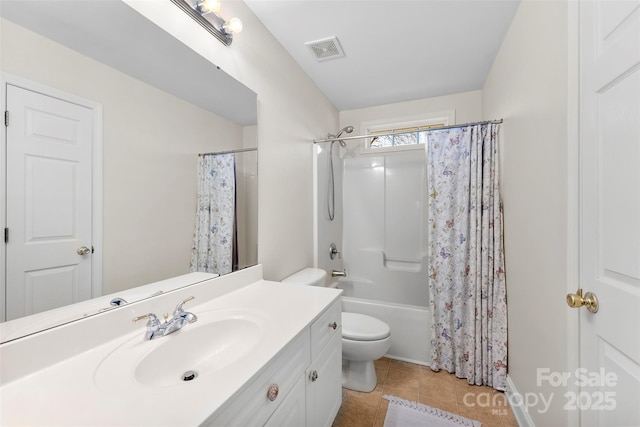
x,y
342,273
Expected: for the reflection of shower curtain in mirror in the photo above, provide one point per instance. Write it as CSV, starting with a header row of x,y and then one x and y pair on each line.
x,y
215,229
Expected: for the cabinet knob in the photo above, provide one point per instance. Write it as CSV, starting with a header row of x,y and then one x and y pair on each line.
x,y
272,393
333,325
313,376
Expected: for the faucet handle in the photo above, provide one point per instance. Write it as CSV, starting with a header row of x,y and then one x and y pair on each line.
x,y
153,319
333,251
179,309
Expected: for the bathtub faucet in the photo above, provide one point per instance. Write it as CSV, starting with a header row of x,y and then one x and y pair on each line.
x,y
342,273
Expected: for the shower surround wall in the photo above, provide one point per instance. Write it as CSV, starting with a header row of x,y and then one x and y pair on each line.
x,y
384,254
383,244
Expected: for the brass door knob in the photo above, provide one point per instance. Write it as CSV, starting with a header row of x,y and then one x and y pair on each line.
x,y
577,300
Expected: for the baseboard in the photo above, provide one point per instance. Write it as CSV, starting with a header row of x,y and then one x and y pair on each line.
x,y
517,406
405,359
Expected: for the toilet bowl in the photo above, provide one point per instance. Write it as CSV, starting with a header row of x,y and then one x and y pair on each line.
x,y
364,338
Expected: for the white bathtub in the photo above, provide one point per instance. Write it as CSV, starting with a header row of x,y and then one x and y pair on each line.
x,y
409,324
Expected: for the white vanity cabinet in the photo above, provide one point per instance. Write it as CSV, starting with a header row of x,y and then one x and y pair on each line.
x,y
324,375
274,387
278,362
308,376
291,411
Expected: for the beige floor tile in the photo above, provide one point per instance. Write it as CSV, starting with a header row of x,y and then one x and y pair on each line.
x,y
382,367
398,365
383,362
420,384
441,402
354,414
403,378
508,419
483,399
400,392
441,373
382,413
372,398
487,419
471,394
436,384
381,375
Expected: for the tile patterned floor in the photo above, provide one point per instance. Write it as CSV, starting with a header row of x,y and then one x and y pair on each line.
x,y
420,384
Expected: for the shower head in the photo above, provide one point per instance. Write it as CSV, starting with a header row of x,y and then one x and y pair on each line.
x,y
347,129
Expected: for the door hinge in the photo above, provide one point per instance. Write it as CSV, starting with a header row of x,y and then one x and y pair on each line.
x,y
6,235
6,118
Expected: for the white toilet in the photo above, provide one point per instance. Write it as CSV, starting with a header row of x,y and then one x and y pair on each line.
x,y
364,338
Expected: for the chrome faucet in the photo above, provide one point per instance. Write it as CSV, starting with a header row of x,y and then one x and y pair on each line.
x,y
157,329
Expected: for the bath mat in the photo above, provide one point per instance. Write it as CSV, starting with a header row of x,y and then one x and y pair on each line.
x,y
404,413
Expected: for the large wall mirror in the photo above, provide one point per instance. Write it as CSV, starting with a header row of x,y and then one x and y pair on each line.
x,y
152,106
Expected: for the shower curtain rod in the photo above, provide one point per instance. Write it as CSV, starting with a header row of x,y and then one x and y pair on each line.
x,y
346,138
239,150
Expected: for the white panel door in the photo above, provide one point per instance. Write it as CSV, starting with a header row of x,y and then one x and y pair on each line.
x,y
49,182
610,213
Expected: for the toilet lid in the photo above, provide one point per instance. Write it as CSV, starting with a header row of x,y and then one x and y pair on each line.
x,y
360,327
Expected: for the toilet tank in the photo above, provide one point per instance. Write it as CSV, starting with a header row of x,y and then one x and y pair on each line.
x,y
307,277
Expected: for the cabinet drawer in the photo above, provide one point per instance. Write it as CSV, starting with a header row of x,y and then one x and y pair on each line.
x,y
322,329
251,405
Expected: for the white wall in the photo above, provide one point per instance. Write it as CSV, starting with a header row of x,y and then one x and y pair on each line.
x,y
291,113
150,144
467,106
528,87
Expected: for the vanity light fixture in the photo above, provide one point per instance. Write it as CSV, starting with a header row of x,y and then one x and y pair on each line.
x,y
207,6
205,13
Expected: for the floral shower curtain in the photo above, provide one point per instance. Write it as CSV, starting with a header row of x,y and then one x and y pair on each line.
x,y
467,287
214,236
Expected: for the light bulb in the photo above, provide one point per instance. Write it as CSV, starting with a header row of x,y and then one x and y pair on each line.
x,y
209,5
233,26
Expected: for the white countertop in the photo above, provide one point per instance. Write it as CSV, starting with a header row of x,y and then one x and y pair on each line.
x,y
66,392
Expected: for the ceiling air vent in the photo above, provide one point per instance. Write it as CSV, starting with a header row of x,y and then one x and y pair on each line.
x,y
324,49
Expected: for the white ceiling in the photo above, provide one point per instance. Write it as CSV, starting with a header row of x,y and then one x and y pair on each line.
x,y
395,50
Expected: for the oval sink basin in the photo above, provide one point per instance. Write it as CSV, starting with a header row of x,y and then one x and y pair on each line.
x,y
217,340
